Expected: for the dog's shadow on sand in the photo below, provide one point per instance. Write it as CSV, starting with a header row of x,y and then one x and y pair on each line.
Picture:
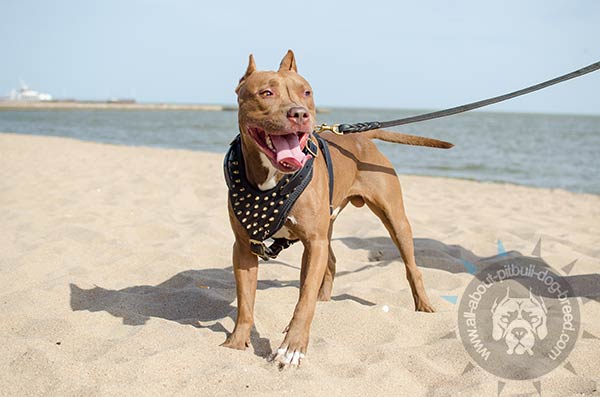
x,y
201,298
434,254
192,297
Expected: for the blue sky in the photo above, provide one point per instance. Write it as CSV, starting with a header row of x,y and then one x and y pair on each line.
x,y
396,54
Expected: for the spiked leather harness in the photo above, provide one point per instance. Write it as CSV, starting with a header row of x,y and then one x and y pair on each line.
x,y
263,212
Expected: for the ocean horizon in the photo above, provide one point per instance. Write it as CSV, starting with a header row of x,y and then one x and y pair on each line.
x,y
533,149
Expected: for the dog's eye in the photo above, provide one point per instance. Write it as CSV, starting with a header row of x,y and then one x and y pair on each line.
x,y
533,318
307,93
265,93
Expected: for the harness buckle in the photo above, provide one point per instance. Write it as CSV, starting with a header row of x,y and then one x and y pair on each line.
x,y
326,127
258,248
311,148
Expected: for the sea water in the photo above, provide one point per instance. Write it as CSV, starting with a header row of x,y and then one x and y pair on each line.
x,y
542,150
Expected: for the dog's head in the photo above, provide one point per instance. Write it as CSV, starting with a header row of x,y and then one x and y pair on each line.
x,y
276,113
518,321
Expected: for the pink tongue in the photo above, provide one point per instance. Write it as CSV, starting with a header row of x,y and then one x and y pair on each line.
x,y
288,150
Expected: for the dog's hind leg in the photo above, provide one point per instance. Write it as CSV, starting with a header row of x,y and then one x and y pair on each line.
x,y
390,209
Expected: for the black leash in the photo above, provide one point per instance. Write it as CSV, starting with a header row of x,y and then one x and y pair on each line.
x,y
372,125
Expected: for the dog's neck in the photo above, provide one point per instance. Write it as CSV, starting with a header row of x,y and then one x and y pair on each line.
x,y
259,170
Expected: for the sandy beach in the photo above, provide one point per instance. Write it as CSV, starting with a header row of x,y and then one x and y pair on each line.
x,y
115,279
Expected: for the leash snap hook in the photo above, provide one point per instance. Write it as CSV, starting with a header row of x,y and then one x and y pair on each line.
x,y
326,127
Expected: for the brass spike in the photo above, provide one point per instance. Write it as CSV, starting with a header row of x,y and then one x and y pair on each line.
x,y
267,224
234,195
271,219
247,212
255,215
242,189
248,226
276,211
247,205
265,208
255,206
244,220
263,216
237,181
255,224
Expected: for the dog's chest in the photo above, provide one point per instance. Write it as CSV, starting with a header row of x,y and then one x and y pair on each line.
x,y
262,213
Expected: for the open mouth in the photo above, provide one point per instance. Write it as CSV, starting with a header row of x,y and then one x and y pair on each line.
x,y
283,150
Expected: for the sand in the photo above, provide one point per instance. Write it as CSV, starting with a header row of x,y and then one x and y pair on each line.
x,y
115,279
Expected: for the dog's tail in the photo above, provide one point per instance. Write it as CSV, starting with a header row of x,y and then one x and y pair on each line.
x,y
406,139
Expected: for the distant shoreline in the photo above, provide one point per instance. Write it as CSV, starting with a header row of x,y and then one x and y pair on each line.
x,y
68,105
93,105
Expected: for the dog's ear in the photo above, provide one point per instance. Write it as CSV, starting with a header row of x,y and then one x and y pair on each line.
x,y
539,301
542,330
249,70
288,63
496,329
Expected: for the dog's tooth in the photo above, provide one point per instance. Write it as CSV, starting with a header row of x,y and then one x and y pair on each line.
x,y
269,143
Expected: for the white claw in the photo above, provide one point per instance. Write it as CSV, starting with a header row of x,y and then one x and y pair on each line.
x,y
288,357
296,358
280,353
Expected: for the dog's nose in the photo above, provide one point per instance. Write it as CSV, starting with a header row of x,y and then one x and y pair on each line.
x,y
298,114
519,332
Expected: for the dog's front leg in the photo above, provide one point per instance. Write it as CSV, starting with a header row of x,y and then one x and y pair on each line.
x,y
314,262
245,268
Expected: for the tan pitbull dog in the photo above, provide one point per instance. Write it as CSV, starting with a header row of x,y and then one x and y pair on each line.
x,y
276,119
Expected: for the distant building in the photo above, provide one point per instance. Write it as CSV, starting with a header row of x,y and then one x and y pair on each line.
x,y
26,94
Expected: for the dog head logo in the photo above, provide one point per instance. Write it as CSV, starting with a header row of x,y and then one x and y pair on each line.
x,y
519,321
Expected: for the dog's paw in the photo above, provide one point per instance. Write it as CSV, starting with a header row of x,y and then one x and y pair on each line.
x,y
424,306
234,342
287,357
291,352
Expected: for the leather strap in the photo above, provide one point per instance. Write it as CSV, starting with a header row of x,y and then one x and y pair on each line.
x,y
263,213
327,156
372,125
